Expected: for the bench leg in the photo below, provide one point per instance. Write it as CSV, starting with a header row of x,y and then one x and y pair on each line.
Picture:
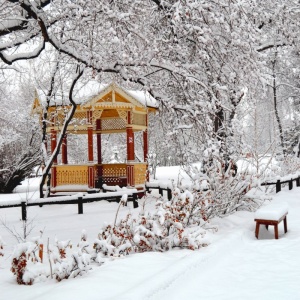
x,y
257,229
285,225
276,231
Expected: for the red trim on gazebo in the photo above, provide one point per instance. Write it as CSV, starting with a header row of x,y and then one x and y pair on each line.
x,y
53,144
64,150
90,144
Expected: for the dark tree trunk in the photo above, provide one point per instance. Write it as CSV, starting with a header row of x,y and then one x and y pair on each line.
x,y
274,88
62,134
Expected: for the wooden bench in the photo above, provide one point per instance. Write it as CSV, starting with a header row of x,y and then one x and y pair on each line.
x,y
271,214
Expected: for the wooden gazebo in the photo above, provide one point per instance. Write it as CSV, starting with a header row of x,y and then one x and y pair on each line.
x,y
101,109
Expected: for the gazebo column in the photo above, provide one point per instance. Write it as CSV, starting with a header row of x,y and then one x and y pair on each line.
x,y
130,144
90,145
53,136
99,155
91,172
130,152
145,142
64,150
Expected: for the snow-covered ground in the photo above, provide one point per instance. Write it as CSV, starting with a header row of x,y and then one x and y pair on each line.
x,y
234,266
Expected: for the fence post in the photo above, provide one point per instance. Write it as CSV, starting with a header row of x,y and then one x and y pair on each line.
x,y
24,210
135,202
169,194
278,186
291,184
80,205
160,190
298,181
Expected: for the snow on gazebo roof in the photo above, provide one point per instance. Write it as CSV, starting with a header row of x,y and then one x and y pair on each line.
x,y
92,89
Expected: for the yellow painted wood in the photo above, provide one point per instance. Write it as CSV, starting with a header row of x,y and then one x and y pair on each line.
x,y
140,170
72,174
78,174
142,110
110,113
120,98
114,170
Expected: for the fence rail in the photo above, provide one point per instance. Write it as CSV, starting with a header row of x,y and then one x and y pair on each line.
x,y
160,189
278,183
116,196
76,199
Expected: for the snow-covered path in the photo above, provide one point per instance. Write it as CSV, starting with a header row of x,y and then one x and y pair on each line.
x,y
242,267
234,266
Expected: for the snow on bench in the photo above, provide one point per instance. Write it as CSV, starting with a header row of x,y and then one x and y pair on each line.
x,y
271,214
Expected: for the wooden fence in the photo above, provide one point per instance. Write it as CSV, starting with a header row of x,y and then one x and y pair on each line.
x,y
278,183
160,188
76,199
116,196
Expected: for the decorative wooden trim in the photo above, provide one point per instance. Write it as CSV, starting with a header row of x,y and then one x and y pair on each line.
x,y
71,175
140,172
53,176
91,173
130,175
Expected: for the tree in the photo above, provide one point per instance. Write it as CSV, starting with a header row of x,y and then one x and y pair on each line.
x,y
200,59
19,139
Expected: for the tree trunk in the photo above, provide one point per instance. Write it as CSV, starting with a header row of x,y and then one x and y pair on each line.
x,y
62,133
274,88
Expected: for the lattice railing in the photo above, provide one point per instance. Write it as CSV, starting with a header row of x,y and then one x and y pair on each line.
x,y
72,175
113,124
114,170
140,173
114,174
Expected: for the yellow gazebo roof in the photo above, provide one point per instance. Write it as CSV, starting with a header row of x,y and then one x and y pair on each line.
x,y
109,103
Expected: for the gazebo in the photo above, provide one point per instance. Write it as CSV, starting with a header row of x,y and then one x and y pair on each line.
x,y
101,109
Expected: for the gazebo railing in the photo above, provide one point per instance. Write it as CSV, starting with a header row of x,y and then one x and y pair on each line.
x,y
71,175
140,172
110,174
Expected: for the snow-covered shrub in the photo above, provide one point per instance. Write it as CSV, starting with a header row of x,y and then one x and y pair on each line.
x,y
25,254
171,224
62,247
1,247
73,266
221,190
67,264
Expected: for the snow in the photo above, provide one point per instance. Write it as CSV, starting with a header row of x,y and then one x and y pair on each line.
x,y
143,97
85,93
234,266
92,89
273,211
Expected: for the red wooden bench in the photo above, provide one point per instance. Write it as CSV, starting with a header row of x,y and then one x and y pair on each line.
x,y
271,214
